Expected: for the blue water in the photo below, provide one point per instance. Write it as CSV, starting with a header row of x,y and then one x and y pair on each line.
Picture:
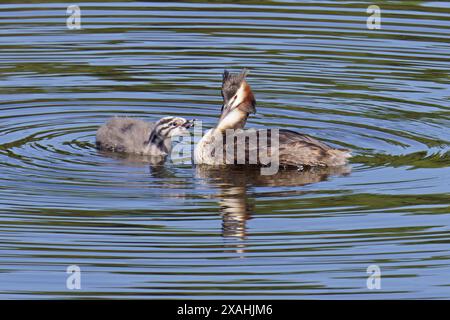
x,y
178,231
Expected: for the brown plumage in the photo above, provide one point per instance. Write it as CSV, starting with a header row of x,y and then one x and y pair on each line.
x,y
298,149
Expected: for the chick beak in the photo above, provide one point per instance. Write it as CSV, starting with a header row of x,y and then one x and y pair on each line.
x,y
189,123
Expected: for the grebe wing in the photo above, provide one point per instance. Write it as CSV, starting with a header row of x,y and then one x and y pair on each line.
x,y
288,137
295,149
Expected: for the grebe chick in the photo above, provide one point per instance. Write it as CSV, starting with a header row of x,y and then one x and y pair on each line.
x,y
294,149
127,135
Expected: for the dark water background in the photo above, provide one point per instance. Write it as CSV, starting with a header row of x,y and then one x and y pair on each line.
x,y
177,231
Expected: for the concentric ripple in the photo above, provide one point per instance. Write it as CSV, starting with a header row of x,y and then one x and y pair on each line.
x,y
180,231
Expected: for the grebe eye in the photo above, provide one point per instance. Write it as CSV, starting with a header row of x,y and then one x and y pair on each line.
x,y
173,124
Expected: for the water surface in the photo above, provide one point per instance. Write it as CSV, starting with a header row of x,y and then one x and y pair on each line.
x,y
178,231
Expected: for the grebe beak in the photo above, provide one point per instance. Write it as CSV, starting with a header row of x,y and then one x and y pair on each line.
x,y
189,123
224,111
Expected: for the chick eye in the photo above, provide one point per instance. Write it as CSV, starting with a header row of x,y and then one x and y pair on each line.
x,y
173,124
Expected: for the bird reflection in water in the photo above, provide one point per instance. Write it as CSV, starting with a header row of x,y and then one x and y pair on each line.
x,y
134,160
236,183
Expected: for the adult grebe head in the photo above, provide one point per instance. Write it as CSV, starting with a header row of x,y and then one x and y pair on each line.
x,y
238,101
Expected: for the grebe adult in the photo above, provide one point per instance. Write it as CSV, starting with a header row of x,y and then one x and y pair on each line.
x,y
293,148
127,135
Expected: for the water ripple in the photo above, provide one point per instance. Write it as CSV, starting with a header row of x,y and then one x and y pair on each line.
x,y
179,231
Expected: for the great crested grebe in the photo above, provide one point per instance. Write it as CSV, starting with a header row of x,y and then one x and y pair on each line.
x,y
292,148
127,135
